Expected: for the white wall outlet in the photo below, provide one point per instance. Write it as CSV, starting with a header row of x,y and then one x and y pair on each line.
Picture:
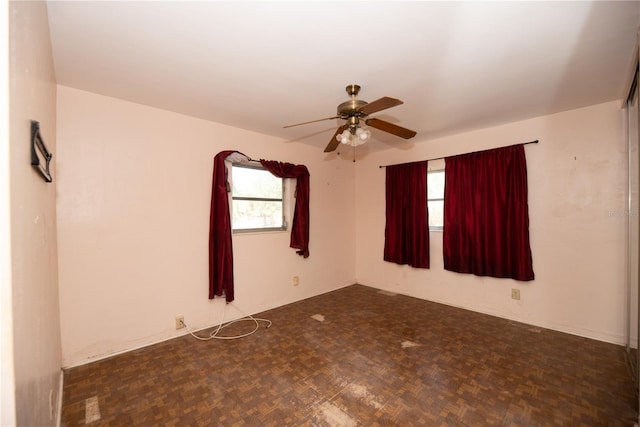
x,y
180,322
515,294
295,280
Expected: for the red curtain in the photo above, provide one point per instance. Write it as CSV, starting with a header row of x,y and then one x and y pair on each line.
x,y
220,246
300,226
220,243
407,218
486,214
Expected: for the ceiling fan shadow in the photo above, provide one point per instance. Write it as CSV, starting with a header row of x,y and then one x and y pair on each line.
x,y
348,153
301,138
391,141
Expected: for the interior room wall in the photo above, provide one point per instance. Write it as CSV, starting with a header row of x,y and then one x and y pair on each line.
x,y
34,275
577,210
133,221
7,377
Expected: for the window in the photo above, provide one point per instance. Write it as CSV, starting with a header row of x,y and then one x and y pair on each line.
x,y
257,199
435,199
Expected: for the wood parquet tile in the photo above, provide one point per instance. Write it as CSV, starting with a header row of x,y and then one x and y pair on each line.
x,y
375,360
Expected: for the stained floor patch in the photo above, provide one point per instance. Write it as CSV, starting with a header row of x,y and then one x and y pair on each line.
x,y
362,393
91,410
329,414
409,344
318,317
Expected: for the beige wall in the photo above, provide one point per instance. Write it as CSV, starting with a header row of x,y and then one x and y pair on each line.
x,y
34,274
133,220
577,205
7,378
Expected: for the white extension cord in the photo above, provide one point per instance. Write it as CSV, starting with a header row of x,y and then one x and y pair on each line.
x,y
222,325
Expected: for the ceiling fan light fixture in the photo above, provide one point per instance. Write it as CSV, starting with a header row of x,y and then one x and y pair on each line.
x,y
360,137
363,134
344,136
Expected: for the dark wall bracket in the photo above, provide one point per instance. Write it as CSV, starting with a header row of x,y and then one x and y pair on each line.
x,y
40,156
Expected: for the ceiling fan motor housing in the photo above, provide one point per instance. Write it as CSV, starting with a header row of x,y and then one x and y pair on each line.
x,y
350,108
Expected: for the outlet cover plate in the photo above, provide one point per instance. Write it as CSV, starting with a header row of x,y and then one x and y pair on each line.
x,y
180,322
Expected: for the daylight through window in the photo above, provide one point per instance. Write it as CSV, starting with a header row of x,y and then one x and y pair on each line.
x,y
435,199
257,199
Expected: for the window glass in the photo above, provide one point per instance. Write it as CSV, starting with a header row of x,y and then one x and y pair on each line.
x,y
435,199
257,199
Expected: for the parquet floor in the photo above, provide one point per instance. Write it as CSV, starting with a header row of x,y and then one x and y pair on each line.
x,y
377,359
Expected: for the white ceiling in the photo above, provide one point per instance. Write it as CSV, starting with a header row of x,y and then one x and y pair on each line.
x,y
261,65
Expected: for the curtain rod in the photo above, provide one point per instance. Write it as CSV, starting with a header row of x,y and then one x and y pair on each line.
x,y
472,152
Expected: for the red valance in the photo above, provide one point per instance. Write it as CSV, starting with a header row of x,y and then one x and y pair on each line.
x,y
300,226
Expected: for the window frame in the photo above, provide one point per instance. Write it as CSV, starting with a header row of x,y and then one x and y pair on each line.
x,y
437,199
232,198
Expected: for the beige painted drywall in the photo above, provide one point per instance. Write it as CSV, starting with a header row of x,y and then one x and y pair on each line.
x,y
7,377
133,219
34,273
577,206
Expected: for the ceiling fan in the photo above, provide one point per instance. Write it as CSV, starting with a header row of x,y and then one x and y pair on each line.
x,y
355,110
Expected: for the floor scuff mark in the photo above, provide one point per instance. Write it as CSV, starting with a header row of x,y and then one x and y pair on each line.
x,y
409,344
387,293
91,410
318,317
528,327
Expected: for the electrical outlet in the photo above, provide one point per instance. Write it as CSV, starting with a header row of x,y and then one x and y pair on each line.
x,y
515,294
180,322
295,280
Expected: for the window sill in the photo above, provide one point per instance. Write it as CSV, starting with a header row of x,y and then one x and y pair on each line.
x,y
258,231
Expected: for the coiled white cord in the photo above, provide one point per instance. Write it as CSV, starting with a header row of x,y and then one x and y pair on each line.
x,y
222,325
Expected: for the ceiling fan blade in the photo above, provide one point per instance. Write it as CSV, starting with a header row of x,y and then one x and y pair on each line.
x,y
391,128
379,105
312,121
333,144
